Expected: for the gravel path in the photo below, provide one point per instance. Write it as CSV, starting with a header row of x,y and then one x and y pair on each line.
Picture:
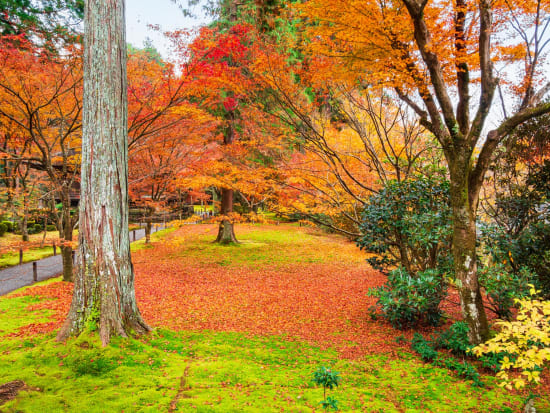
x,y
19,276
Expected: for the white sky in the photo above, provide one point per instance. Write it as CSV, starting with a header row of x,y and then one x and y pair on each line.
x,y
165,13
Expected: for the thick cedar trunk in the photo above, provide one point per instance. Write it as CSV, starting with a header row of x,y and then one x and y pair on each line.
x,y
464,207
104,296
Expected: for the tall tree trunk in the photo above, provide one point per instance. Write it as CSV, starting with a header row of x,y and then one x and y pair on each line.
x,y
226,232
464,208
104,296
66,232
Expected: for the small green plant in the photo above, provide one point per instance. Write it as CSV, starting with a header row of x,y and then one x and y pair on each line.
x,y
493,360
329,402
3,229
329,379
423,347
454,339
93,319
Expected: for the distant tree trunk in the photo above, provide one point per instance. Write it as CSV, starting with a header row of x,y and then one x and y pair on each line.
x,y
66,233
23,227
226,232
24,219
104,296
148,226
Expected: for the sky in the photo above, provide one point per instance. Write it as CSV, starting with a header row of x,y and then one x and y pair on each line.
x,y
165,13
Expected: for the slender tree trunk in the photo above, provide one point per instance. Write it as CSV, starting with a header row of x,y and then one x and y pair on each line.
x,y
148,230
104,296
23,227
66,232
464,249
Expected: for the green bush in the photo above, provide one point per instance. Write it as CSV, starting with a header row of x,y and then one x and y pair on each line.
x,y
519,234
406,301
454,339
38,228
3,229
51,227
408,224
503,287
9,226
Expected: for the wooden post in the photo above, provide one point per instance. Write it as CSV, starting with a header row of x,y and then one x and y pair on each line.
x,y
20,256
54,249
34,272
134,234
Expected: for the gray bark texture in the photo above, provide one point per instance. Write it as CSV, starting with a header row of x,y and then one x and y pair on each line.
x,y
104,296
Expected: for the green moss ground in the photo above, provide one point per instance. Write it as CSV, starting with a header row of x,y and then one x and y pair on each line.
x,y
12,258
216,372
257,248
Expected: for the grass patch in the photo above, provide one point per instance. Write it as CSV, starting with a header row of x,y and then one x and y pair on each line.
x,y
223,372
11,259
155,237
259,246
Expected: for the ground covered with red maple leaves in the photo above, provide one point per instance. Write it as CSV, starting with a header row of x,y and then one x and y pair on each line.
x,y
302,284
284,282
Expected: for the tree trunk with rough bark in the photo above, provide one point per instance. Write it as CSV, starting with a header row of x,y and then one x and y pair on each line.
x,y
226,231
464,208
104,296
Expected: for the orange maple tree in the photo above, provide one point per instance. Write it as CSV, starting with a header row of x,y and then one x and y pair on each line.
x,y
436,56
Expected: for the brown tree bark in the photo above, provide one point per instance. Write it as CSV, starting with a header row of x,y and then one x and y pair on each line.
x,y
148,225
464,208
104,296
226,230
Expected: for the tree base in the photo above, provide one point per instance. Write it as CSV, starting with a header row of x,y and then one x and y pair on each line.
x,y
226,233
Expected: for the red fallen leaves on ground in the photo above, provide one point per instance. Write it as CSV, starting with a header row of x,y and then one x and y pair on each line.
x,y
323,303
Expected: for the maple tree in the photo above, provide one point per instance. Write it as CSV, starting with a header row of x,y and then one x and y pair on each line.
x,y
347,142
41,107
434,53
241,154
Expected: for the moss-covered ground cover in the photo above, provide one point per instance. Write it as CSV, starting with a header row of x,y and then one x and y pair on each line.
x,y
238,329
